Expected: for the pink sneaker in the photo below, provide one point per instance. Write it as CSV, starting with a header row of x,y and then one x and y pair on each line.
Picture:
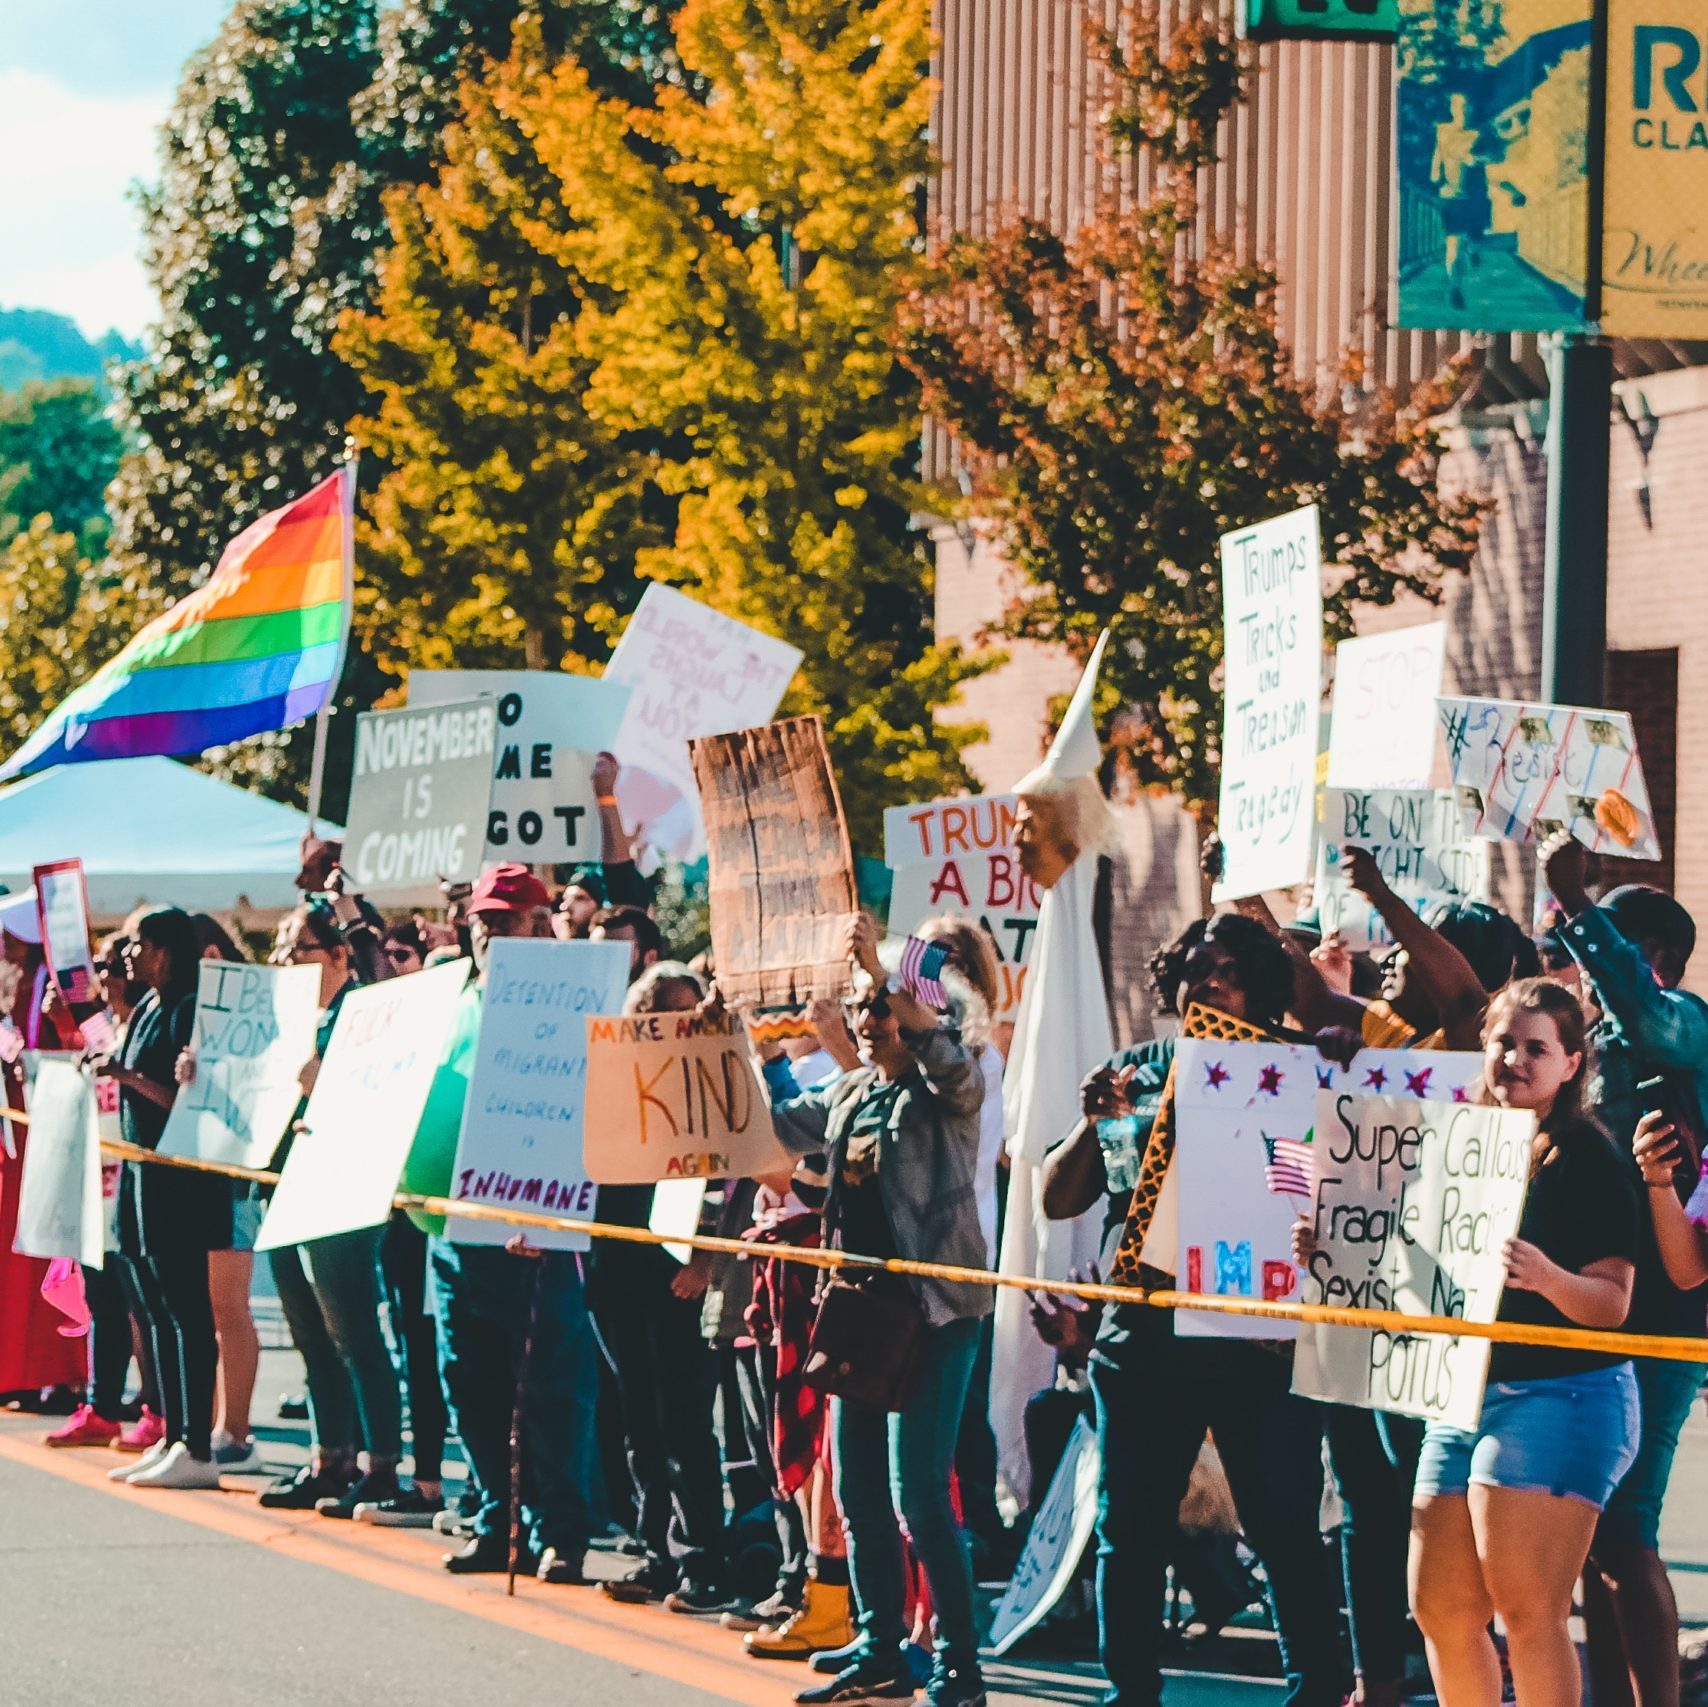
x,y
147,1431
84,1428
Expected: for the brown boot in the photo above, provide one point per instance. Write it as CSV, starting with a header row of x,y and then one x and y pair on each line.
x,y
824,1621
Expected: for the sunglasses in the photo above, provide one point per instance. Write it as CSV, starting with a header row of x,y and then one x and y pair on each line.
x,y
875,1007
396,953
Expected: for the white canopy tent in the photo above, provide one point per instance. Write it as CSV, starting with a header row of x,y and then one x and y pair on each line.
x,y
151,830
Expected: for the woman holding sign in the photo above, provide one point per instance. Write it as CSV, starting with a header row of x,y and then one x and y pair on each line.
x,y
1503,1514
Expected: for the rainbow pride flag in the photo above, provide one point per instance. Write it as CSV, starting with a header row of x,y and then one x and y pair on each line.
x,y
258,646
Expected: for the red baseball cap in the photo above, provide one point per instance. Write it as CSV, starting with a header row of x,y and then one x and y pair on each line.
x,y
507,889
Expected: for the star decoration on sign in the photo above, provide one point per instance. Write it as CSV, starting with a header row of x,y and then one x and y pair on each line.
x,y
1216,1075
1269,1080
1460,1094
1417,1084
1376,1078
1325,1078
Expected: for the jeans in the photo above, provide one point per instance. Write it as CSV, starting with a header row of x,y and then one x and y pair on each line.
x,y
403,1263
483,1298
1666,1392
756,1377
975,1451
330,1293
890,1463
1154,1407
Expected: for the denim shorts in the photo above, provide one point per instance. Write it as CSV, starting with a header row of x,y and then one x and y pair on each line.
x,y
1666,1390
1573,1436
246,1212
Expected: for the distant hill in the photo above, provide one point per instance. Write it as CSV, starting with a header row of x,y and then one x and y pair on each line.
x,y
36,344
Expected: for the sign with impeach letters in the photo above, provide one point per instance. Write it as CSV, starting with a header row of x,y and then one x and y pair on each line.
x,y
1414,1204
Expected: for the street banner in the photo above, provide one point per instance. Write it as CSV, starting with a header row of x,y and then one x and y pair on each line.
x,y
551,726
419,800
368,1096
1419,842
693,672
1414,1204
1271,697
63,904
1523,771
678,1097
1384,732
1492,162
1654,281
522,1136
60,1211
1245,1160
254,1032
779,867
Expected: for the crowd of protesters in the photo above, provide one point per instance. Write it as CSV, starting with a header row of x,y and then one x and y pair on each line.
x,y
680,1414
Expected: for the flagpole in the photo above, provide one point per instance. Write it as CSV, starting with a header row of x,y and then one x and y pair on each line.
x,y
317,766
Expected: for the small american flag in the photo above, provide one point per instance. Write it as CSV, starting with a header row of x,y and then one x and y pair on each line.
x,y
98,1034
921,965
1287,1167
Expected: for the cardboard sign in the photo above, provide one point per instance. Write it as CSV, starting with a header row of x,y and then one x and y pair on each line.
x,y
1055,1544
694,672
1524,771
1414,1204
1272,617
1244,1160
779,868
254,1030
360,1122
1416,837
419,798
63,904
60,1211
521,1142
676,1097
551,726
1384,730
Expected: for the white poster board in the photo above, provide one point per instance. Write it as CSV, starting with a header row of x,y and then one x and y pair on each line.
x,y
693,672
1414,1204
60,1209
551,726
254,1031
1244,1160
521,1141
1272,617
1418,840
1055,1544
1384,731
1523,771
343,1169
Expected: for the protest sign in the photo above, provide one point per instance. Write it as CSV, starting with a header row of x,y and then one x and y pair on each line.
x,y
60,1209
677,1097
63,904
1524,771
551,726
1414,1204
1055,1543
1244,1159
418,799
1384,730
693,672
1417,839
779,868
676,1206
254,1031
1271,699
522,1135
361,1118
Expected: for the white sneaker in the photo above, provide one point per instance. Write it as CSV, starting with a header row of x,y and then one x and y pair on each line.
x,y
237,1457
179,1470
127,1472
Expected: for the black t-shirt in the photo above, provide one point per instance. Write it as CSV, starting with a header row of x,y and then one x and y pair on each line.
x,y
159,1032
1582,1208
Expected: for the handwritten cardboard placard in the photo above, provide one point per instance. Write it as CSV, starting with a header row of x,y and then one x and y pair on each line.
x,y
693,672
60,1211
63,904
551,726
779,867
677,1097
1245,1157
367,1101
1414,1204
419,799
1272,627
1523,771
1055,1543
523,1123
1417,838
1384,730
254,1031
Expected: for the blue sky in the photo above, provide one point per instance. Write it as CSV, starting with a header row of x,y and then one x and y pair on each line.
x,y
84,85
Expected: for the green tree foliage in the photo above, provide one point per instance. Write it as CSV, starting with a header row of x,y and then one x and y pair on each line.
x,y
1125,397
58,450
